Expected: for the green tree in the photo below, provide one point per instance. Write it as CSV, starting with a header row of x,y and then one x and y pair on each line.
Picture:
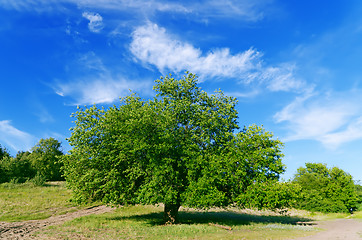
x,y
178,148
17,168
325,190
21,168
359,194
45,159
3,152
4,159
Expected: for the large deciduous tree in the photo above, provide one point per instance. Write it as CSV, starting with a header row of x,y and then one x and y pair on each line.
x,y
178,148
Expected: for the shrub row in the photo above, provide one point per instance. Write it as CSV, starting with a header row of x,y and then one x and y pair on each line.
x,y
42,162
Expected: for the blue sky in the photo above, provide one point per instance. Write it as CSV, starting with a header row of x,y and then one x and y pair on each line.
x,y
295,66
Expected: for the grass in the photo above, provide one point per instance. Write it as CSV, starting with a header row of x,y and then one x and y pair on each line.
x,y
357,215
145,222
20,202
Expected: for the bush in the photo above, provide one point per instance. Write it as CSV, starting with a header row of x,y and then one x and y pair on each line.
x,y
270,195
38,180
325,190
18,168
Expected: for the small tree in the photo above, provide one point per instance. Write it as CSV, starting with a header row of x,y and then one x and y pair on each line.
x,y
4,159
22,168
45,159
325,190
178,148
3,152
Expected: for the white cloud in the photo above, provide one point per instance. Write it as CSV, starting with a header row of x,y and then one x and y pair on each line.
x,y
98,90
152,45
246,10
351,133
332,118
14,138
95,21
97,85
29,5
42,113
282,78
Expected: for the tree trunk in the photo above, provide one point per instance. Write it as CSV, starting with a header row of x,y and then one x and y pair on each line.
x,y
170,214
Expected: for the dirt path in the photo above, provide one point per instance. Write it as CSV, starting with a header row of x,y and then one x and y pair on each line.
x,y
338,229
23,230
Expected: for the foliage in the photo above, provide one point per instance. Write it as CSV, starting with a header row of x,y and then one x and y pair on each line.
x,y
38,180
3,152
4,158
16,169
359,194
325,190
19,167
254,157
45,158
178,148
270,195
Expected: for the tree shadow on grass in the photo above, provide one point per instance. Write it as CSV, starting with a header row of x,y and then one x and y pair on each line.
x,y
228,218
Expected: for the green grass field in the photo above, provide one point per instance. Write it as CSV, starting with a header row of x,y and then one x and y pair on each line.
x,y
20,202
145,222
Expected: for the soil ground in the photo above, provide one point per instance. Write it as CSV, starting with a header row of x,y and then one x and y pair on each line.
x,y
23,230
337,229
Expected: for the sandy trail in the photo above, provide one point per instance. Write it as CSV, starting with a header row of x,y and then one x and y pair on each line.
x,y
23,230
338,229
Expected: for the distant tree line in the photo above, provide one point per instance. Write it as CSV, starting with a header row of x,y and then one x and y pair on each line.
x,y
43,161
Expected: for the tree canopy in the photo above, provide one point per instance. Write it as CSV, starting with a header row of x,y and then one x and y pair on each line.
x,y
177,148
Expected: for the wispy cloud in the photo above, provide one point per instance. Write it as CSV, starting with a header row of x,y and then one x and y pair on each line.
x,y
15,138
43,114
352,132
152,45
97,85
204,10
95,21
282,78
332,118
29,5
246,10
99,90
